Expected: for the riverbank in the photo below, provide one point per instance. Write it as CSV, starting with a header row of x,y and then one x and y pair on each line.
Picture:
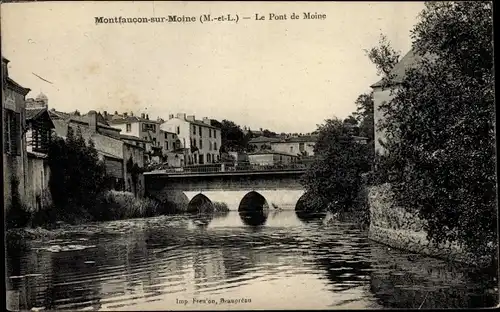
x,y
400,229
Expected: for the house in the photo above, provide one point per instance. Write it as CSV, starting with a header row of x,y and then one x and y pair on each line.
x,y
137,126
15,159
119,155
198,138
173,154
383,94
39,128
263,142
299,145
271,158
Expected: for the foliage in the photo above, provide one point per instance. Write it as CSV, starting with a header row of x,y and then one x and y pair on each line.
x,y
269,134
384,56
440,127
116,205
232,137
364,116
351,120
77,175
220,207
335,175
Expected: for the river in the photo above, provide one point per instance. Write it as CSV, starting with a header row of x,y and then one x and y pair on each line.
x,y
277,262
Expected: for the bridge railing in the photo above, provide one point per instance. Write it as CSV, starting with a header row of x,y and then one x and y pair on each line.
x,y
231,167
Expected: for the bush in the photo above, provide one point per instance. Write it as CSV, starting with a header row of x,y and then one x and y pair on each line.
x,y
117,205
220,207
335,175
17,214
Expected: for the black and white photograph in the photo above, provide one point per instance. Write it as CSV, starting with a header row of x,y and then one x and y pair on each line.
x,y
207,156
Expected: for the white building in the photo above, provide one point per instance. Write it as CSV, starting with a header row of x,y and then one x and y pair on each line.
x,y
384,94
200,139
173,153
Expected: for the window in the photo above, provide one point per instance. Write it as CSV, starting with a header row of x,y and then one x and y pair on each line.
x,y
209,146
194,129
178,130
215,145
215,133
166,136
209,133
201,143
301,147
201,162
129,127
173,136
154,141
145,138
148,127
291,149
209,158
166,146
194,143
199,130
12,132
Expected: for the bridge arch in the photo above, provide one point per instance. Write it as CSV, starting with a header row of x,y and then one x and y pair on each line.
x,y
302,212
200,203
253,201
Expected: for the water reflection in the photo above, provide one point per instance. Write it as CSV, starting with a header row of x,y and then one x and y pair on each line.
x,y
254,218
165,258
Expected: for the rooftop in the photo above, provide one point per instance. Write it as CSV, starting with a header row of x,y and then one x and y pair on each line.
x,y
131,119
399,70
269,152
263,139
34,113
131,138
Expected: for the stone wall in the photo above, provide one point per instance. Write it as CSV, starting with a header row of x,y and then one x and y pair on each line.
x,y
395,227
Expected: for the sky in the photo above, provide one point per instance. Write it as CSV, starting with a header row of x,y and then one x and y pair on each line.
x,y
283,75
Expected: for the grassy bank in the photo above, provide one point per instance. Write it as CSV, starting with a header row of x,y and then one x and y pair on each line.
x,y
110,205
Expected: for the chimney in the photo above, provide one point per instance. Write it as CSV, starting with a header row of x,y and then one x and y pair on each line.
x,y
143,116
116,112
181,116
92,119
147,116
190,117
105,113
171,116
131,113
125,114
206,120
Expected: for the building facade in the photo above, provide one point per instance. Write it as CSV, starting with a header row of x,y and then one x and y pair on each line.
x,y
301,145
271,158
39,128
110,148
15,159
385,93
198,138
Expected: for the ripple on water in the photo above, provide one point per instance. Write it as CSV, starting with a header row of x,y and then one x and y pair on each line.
x,y
153,261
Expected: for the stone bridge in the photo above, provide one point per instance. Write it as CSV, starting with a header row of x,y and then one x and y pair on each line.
x,y
239,190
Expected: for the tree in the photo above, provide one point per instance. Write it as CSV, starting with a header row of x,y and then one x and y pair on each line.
x,y
440,127
364,116
269,134
351,120
384,56
232,137
77,176
335,175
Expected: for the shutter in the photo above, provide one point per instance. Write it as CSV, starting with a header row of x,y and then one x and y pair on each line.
x,y
6,130
16,135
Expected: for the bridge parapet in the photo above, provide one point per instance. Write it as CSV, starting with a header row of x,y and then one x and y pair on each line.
x,y
281,187
229,167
